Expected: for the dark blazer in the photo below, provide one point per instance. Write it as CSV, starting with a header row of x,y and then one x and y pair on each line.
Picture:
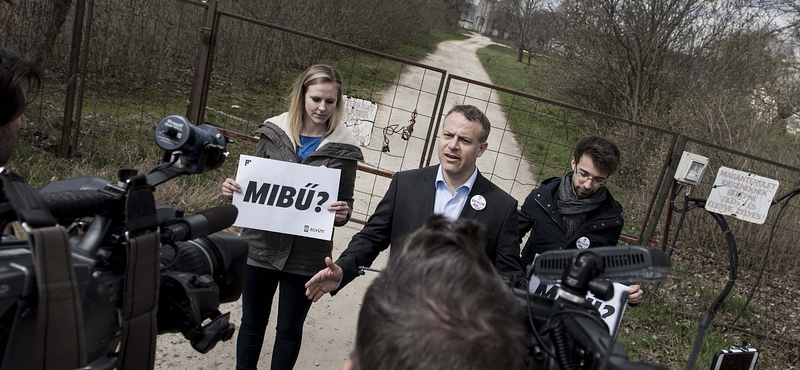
x,y
409,202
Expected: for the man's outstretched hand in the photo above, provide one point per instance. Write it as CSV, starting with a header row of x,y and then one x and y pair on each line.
x,y
324,281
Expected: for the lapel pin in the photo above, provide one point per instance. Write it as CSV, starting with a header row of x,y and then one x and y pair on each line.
x,y
478,202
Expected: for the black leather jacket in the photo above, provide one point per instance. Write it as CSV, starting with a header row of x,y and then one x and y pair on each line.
x,y
539,215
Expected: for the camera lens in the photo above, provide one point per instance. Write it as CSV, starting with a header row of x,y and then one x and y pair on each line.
x,y
220,255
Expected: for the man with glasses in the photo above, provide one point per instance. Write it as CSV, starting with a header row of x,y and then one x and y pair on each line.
x,y
576,210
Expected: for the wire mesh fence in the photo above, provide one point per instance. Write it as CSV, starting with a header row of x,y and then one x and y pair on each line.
x,y
139,66
391,101
154,46
532,140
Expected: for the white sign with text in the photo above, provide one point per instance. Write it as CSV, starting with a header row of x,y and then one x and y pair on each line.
x,y
611,311
286,197
743,195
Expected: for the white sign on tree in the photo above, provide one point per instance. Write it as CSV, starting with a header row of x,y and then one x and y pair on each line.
x,y
743,195
286,197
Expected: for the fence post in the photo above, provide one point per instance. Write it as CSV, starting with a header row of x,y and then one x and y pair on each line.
x,y
196,110
663,193
87,34
67,126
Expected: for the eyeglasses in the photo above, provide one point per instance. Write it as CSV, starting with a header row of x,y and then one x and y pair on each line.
x,y
583,176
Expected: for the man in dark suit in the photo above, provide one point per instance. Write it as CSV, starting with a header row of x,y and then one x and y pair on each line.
x,y
454,188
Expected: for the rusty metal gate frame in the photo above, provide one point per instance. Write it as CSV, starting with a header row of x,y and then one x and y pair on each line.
x,y
657,201
199,93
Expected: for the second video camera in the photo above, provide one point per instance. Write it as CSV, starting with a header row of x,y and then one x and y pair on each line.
x,y
200,265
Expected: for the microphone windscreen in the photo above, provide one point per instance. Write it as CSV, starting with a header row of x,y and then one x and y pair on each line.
x,y
220,217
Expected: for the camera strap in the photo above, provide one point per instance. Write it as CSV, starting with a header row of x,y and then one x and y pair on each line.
x,y
142,279
60,341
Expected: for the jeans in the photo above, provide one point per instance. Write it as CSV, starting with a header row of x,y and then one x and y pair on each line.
x,y
259,289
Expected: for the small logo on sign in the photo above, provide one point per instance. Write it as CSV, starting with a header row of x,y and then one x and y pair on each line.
x,y
583,242
247,161
313,230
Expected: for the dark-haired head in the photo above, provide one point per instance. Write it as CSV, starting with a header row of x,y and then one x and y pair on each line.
x,y
440,305
19,83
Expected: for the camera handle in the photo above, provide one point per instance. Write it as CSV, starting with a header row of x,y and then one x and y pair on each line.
x,y
59,318
219,329
140,295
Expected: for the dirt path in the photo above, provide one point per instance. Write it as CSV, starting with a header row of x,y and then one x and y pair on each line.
x,y
331,323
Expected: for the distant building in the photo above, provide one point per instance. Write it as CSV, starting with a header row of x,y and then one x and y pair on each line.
x,y
484,12
480,18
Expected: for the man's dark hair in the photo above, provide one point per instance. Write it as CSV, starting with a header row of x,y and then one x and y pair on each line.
x,y
18,76
603,152
474,114
440,305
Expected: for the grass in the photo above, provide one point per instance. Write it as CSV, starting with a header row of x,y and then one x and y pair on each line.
x,y
652,334
663,330
542,130
427,44
657,332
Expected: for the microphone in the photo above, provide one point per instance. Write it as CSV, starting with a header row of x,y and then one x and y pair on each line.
x,y
200,224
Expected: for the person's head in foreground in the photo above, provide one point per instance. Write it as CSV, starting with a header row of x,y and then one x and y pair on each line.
x,y
439,304
18,75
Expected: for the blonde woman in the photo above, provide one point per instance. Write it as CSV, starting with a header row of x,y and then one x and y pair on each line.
x,y
310,133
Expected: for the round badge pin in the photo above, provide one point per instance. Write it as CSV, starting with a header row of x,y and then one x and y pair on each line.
x,y
478,202
583,242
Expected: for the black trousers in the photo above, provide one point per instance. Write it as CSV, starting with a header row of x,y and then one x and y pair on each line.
x,y
259,289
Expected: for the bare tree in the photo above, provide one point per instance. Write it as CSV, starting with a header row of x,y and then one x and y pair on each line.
x,y
54,24
542,32
634,58
519,18
787,18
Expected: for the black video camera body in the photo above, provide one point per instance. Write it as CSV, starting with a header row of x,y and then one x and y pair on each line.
x,y
200,265
568,333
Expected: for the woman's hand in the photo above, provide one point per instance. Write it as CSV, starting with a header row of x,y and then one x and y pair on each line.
x,y
342,210
229,186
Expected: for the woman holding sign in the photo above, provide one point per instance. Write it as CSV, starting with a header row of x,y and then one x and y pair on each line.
x,y
310,133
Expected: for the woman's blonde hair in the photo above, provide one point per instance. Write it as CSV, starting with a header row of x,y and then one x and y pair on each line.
x,y
316,74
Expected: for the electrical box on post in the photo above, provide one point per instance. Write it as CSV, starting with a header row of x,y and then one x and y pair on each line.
x,y
690,169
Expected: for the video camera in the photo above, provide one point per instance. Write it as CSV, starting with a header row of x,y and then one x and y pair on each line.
x,y
114,234
568,333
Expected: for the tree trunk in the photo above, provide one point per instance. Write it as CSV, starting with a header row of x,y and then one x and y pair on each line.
x,y
519,55
60,10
